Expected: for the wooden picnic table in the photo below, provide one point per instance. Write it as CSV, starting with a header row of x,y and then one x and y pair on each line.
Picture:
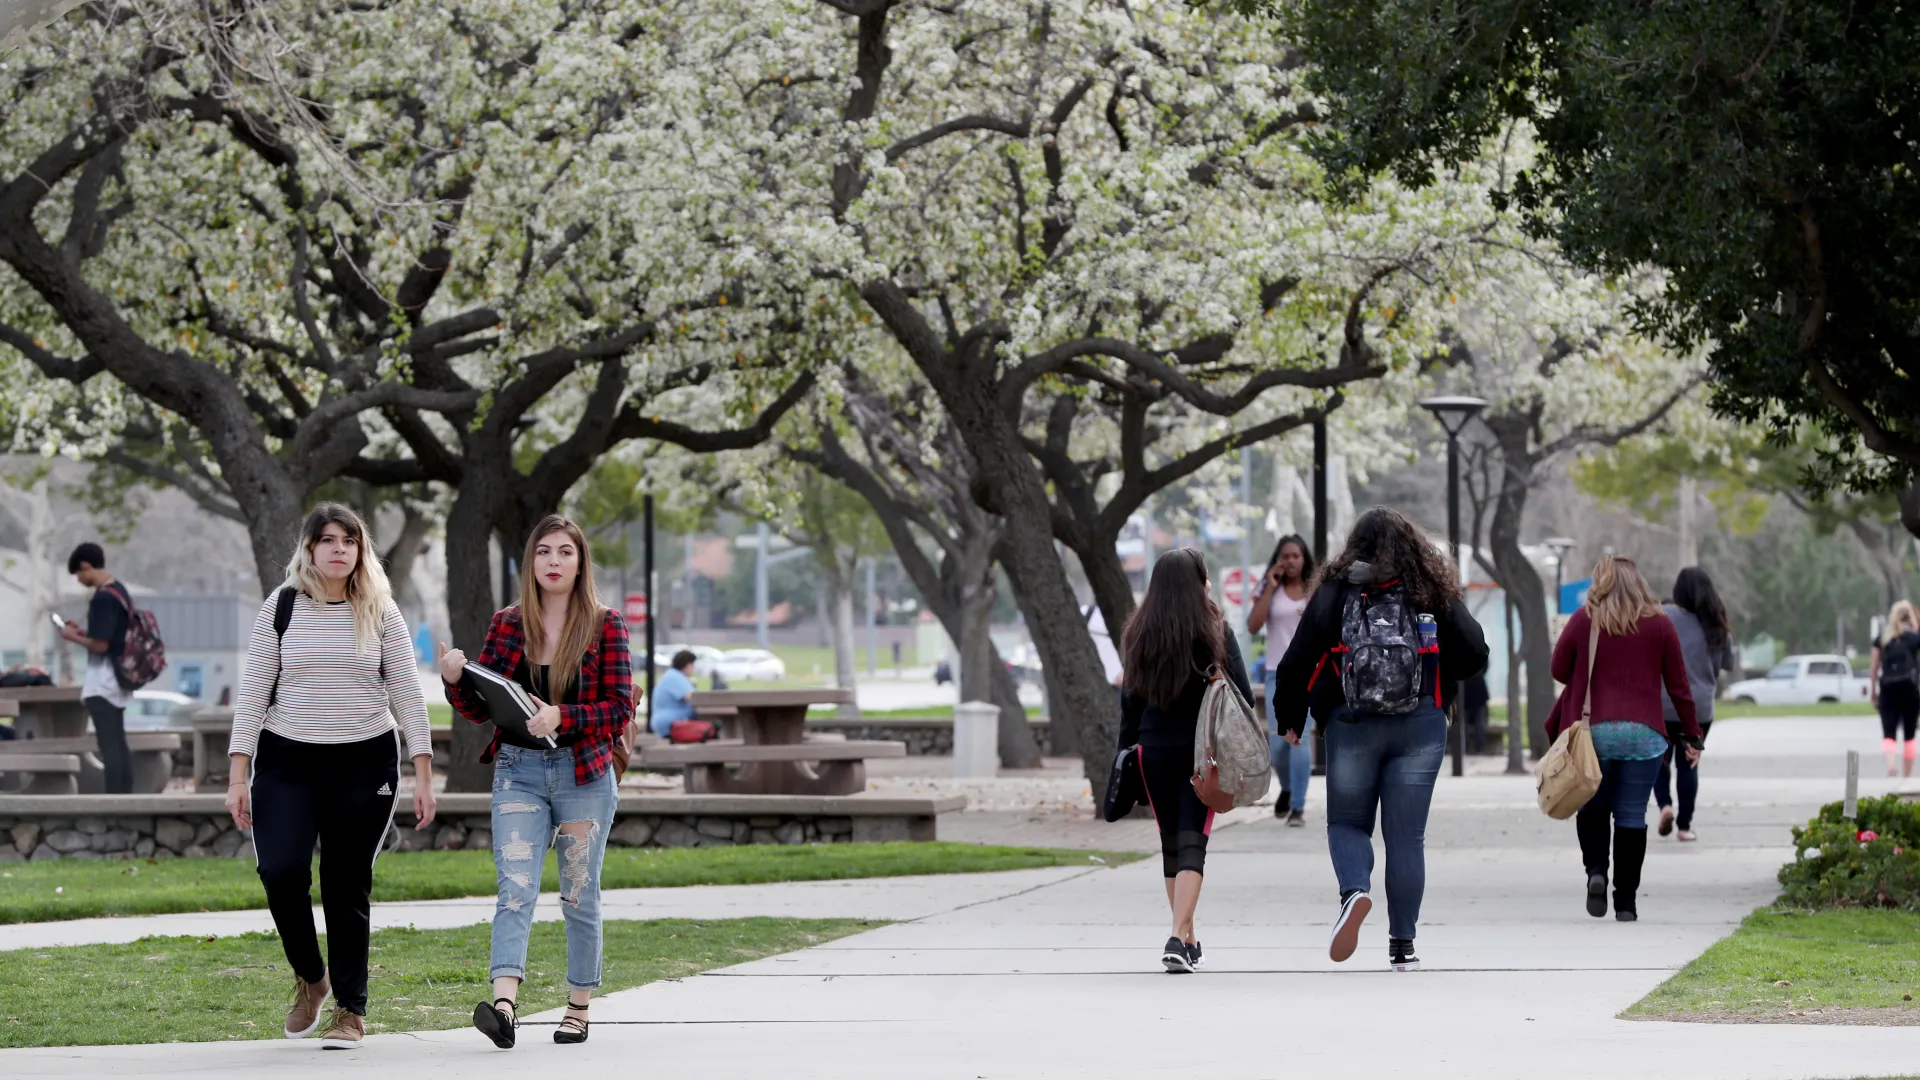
x,y
52,725
765,750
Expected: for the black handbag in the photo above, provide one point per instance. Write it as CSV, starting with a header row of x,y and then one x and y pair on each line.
x,y
1124,785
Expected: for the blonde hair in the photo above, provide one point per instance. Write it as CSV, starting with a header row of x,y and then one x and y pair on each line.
x,y
368,590
1903,615
585,613
1619,598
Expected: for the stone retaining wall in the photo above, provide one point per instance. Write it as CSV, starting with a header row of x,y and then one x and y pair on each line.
x,y
170,826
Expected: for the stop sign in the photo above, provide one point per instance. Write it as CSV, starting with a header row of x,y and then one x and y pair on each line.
x,y
1233,585
636,607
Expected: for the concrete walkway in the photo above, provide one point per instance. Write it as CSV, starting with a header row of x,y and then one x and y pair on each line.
x,y
1058,979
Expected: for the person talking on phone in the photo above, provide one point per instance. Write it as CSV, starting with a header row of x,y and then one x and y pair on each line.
x,y
570,653
1276,611
316,756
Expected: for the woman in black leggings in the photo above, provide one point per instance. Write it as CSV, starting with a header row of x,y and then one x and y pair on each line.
x,y
1175,637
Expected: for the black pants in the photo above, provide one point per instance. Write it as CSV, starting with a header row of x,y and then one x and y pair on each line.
x,y
343,795
1185,821
1674,770
1899,709
110,731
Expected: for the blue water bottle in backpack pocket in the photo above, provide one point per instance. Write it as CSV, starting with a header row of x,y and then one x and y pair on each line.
x,y
1429,632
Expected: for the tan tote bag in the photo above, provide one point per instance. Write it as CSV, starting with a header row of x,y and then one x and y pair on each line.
x,y
1570,773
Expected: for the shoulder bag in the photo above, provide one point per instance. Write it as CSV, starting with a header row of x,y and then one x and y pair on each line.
x,y
1570,772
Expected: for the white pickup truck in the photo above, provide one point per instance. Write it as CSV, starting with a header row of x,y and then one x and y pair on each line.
x,y
1803,680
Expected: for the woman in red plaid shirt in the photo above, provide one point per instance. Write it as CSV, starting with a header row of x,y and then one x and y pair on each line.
x,y
572,652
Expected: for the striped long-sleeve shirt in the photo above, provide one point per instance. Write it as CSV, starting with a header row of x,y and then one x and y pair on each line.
x,y
322,688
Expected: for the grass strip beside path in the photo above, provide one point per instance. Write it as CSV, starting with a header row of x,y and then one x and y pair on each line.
x,y
1835,966
189,989
43,891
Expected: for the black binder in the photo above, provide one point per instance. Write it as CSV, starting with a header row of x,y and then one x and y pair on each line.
x,y
508,703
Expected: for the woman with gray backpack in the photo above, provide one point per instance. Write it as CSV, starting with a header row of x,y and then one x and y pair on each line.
x,y
1388,628
1175,646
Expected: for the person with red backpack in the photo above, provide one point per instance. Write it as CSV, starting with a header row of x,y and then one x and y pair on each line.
x,y
1381,649
105,638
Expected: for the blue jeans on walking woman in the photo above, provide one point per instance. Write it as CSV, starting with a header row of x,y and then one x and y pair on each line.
x,y
536,804
1292,765
1390,762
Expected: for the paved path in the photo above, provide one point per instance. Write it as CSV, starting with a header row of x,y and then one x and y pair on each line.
x,y
1057,979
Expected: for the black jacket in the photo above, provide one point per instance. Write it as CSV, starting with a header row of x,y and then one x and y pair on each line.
x,y
1150,725
1309,663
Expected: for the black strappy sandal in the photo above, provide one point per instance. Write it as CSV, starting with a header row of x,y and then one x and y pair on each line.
x,y
573,1029
496,1023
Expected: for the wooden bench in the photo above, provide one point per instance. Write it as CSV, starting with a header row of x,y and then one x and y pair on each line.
x,y
40,774
838,766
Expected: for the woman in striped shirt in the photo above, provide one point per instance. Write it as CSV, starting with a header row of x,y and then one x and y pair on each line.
x,y
316,755
563,646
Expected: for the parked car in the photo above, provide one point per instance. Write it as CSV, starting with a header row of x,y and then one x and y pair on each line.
x,y
1803,680
152,709
750,665
1023,663
706,658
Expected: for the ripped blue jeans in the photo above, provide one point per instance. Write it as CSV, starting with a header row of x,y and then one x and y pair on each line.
x,y
536,805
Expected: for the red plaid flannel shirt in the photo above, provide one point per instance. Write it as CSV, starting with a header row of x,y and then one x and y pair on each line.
x,y
605,690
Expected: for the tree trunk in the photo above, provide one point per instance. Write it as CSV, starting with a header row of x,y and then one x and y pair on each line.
x,y
1886,565
469,613
1910,509
1112,589
401,556
1080,702
1522,582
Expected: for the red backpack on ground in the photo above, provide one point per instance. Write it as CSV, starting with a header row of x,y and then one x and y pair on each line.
x,y
144,656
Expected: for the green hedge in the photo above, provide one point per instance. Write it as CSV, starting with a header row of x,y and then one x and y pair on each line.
x,y
1871,861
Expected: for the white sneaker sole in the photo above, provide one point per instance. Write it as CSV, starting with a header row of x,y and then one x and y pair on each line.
x,y
313,1027
1411,965
1176,964
1346,932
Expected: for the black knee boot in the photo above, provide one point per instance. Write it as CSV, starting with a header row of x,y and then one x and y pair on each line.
x,y
1592,827
1630,851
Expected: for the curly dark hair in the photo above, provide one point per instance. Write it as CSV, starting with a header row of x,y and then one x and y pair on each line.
x,y
1397,550
1176,633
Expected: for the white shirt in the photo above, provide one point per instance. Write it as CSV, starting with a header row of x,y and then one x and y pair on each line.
x,y
101,682
1103,643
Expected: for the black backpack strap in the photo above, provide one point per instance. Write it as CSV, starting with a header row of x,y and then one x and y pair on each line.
x,y
283,611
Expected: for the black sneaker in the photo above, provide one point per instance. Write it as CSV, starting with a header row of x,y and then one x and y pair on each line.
x,y
1174,957
1400,955
1296,819
1193,954
1283,804
1346,929
1597,895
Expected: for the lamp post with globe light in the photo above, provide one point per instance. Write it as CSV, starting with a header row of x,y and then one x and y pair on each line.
x,y
1453,412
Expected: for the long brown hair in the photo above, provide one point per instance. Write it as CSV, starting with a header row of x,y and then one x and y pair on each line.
x,y
1397,551
1176,633
1620,597
585,614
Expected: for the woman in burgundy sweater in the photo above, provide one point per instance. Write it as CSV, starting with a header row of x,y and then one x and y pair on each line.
x,y
1638,653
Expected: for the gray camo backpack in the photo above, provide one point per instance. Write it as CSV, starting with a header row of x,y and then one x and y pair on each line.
x,y
1230,763
1380,651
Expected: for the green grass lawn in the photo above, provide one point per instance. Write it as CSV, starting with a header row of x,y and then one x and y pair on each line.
x,y
42,891
1733,710
1840,965
189,989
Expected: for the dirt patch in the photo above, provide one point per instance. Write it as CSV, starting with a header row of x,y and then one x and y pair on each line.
x,y
1857,1017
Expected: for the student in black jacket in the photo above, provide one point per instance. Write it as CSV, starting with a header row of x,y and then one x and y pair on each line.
x,y
1388,636
1174,639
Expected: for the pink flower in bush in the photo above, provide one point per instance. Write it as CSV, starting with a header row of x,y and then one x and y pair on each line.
x,y
1867,836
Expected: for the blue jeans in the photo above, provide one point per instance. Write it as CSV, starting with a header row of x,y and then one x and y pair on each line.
x,y
1292,765
1625,787
536,805
1391,762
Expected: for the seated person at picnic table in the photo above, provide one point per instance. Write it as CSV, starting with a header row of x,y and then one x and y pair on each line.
x,y
673,695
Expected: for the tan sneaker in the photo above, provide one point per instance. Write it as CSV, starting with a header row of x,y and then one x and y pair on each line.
x,y
304,1015
344,1030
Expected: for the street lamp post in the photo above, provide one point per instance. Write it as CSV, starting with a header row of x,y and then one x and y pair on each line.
x,y
1560,545
1453,412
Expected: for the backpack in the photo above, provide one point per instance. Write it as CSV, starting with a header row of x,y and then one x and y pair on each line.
x,y
143,656
1230,763
1897,660
1382,643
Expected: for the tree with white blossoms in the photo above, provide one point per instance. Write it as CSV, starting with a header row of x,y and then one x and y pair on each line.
x,y
1550,349
1096,200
